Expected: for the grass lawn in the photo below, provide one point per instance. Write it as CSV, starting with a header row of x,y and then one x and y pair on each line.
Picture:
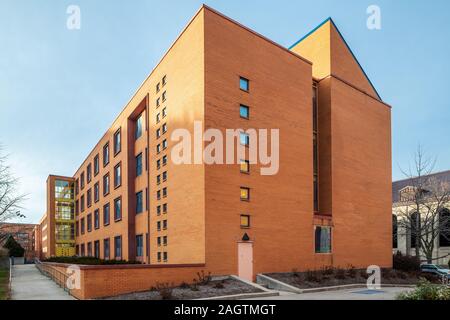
x,y
4,281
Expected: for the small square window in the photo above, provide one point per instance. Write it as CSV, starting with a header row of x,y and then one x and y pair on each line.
x,y
245,221
244,112
245,194
245,166
244,84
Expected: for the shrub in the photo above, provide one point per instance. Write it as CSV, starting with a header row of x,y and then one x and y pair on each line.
x,y
427,291
312,276
88,261
351,271
14,248
406,263
184,285
340,274
202,278
165,290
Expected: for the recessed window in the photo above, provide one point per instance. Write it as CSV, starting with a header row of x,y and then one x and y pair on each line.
x,y
96,164
164,113
164,128
159,256
77,186
117,142
164,176
158,133
244,84
82,203
106,254
164,80
118,247
117,175
106,214
245,194
96,192
164,225
89,249
158,226
159,241
164,208
89,173
165,257
164,144
158,210
158,87
139,125
118,209
82,180
89,198
244,112
139,202
158,102
139,245
89,222
164,96
82,253
106,188
164,192
245,221
139,165
97,219
105,154
158,118
165,240
245,166
164,160
158,179
158,148
82,225
323,239
158,164
244,139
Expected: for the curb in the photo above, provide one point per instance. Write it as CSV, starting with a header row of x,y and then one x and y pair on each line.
x,y
245,296
281,286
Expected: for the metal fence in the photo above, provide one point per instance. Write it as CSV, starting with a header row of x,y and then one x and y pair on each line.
x,y
59,277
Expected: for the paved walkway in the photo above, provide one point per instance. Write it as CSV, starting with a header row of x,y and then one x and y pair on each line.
x,y
29,284
389,293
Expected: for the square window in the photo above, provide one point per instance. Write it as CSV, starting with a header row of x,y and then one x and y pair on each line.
x,y
245,194
244,84
245,166
244,112
245,221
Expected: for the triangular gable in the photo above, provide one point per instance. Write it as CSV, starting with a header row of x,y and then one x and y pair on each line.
x,y
327,49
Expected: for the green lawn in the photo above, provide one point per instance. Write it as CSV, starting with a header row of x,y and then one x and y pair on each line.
x,y
4,281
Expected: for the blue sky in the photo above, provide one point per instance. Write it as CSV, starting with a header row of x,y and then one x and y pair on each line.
x,y
60,89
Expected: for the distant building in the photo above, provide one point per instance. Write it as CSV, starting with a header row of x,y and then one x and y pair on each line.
x,y
23,234
403,192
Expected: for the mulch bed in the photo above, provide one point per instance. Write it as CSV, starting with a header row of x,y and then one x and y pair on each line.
x,y
333,277
189,292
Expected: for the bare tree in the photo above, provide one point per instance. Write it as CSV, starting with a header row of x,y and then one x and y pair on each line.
x,y
427,200
10,200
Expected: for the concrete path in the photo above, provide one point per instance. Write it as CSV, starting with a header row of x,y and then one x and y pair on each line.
x,y
350,294
29,284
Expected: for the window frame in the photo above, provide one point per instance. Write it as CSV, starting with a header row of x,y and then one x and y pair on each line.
x,y
245,80
117,149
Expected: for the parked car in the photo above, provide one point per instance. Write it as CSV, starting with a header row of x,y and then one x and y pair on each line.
x,y
435,269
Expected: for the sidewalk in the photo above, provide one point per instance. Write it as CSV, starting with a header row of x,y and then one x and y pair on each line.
x,y
29,284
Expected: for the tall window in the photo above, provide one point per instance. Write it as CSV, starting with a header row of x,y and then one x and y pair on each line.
x,y
106,184
106,214
97,249
138,130
139,203
96,192
138,164
89,222
323,239
118,247
82,203
97,219
444,221
106,254
83,251
394,232
244,84
315,149
96,165
89,198
117,176
245,166
139,246
117,142
105,154
117,209
82,225
89,173
244,112
89,249
82,180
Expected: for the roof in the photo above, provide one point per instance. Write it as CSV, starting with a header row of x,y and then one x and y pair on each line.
x,y
443,176
346,44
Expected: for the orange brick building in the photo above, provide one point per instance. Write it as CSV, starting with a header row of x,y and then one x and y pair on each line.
x,y
23,233
329,203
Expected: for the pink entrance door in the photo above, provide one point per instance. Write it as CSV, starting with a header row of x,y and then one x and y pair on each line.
x,y
245,260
